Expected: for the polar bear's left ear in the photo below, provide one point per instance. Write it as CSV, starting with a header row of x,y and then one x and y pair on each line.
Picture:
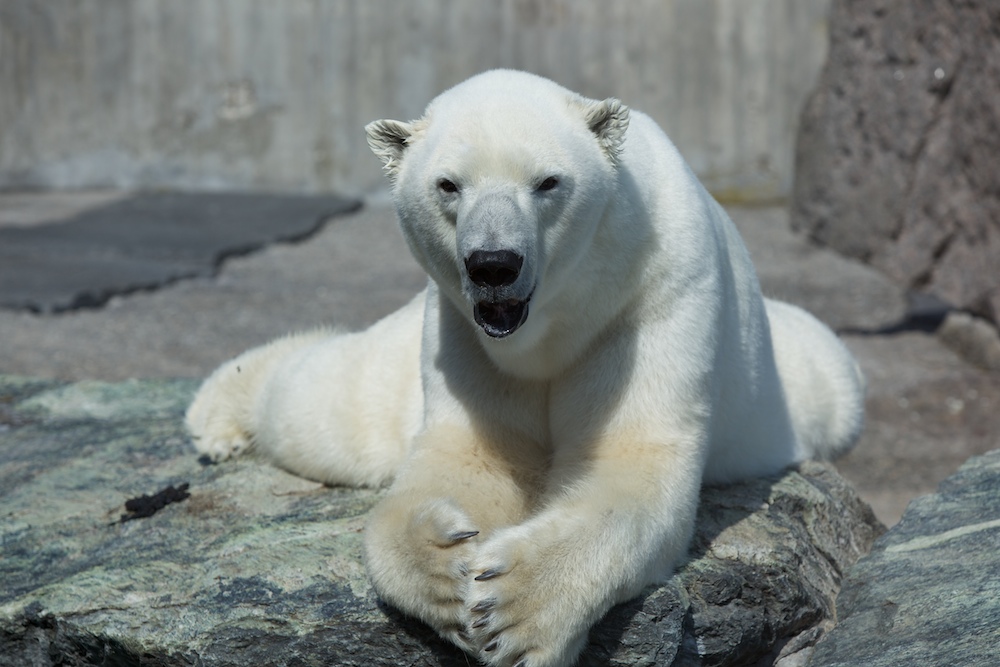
x,y
388,140
608,119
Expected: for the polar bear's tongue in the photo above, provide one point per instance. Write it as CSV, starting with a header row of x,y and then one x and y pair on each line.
x,y
501,319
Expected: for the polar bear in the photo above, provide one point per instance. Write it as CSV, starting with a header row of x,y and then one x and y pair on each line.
x,y
592,345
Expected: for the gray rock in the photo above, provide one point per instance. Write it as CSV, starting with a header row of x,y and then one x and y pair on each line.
x,y
257,566
929,593
899,146
973,339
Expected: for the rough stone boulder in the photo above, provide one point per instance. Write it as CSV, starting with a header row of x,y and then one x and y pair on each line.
x,y
898,150
117,546
929,592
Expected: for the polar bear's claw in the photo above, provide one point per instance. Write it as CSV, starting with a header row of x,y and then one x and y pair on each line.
x,y
483,606
463,535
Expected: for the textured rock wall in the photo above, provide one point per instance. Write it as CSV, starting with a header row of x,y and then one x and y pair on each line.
x,y
899,146
255,566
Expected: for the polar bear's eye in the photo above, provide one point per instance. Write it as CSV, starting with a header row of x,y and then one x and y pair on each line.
x,y
548,184
444,185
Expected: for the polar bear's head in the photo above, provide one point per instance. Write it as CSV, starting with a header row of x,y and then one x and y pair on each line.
x,y
500,188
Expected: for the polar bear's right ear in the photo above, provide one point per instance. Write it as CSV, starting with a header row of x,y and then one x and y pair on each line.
x,y
608,119
388,140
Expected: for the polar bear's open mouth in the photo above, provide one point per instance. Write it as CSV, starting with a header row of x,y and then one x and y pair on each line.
x,y
501,319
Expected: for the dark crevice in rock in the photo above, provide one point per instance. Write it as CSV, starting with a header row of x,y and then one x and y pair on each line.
x,y
925,313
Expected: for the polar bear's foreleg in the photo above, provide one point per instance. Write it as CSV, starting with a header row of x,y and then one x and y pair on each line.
x,y
454,492
538,587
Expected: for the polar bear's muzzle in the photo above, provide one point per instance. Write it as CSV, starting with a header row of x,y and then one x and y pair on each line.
x,y
493,272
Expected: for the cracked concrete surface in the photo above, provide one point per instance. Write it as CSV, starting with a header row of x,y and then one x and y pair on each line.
x,y
140,242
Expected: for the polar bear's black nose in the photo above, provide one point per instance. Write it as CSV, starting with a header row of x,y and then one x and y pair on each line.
x,y
493,268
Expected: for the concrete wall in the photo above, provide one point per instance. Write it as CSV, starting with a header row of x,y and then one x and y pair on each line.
x,y
273,94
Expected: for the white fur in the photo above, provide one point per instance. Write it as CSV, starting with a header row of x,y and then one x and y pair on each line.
x,y
576,445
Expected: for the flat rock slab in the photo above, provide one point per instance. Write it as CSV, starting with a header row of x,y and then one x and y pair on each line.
x,y
929,593
144,241
250,565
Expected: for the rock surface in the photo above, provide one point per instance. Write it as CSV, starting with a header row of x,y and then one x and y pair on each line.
x,y
899,147
973,339
929,592
257,566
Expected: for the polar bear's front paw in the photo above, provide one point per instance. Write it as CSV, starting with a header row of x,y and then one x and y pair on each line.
x,y
523,609
418,559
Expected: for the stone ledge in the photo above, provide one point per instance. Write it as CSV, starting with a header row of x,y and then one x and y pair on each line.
x,y
929,592
261,567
